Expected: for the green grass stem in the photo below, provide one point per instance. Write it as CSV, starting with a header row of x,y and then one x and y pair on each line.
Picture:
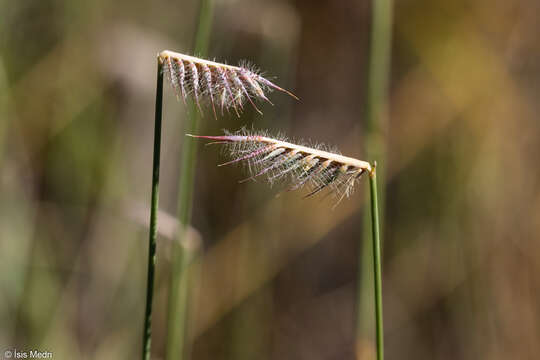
x,y
147,334
377,278
375,137
178,291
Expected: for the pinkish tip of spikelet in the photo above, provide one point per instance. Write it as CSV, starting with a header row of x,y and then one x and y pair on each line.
x,y
219,137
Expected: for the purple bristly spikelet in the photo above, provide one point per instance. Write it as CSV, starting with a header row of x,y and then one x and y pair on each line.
x,y
181,78
171,67
195,85
209,81
224,84
294,165
209,88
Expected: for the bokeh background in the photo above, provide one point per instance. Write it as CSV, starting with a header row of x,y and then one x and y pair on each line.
x,y
276,277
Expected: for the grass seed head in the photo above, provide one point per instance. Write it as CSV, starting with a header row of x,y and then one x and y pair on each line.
x,y
293,165
219,84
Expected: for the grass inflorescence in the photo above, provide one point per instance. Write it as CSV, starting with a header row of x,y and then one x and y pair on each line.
x,y
293,164
220,84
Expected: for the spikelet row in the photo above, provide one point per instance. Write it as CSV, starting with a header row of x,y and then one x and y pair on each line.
x,y
222,85
295,166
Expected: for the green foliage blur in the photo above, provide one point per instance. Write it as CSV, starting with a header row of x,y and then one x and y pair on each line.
x,y
276,275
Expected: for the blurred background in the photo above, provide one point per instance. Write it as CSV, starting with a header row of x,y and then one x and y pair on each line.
x,y
277,275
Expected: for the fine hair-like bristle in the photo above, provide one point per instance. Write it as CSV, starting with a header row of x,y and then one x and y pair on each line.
x,y
222,85
294,165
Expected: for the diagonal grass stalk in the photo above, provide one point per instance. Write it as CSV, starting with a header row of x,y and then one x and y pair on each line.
x,y
376,125
178,291
147,333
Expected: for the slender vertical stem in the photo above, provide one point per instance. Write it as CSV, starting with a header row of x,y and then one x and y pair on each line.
x,y
378,80
5,107
375,133
376,263
181,256
147,334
